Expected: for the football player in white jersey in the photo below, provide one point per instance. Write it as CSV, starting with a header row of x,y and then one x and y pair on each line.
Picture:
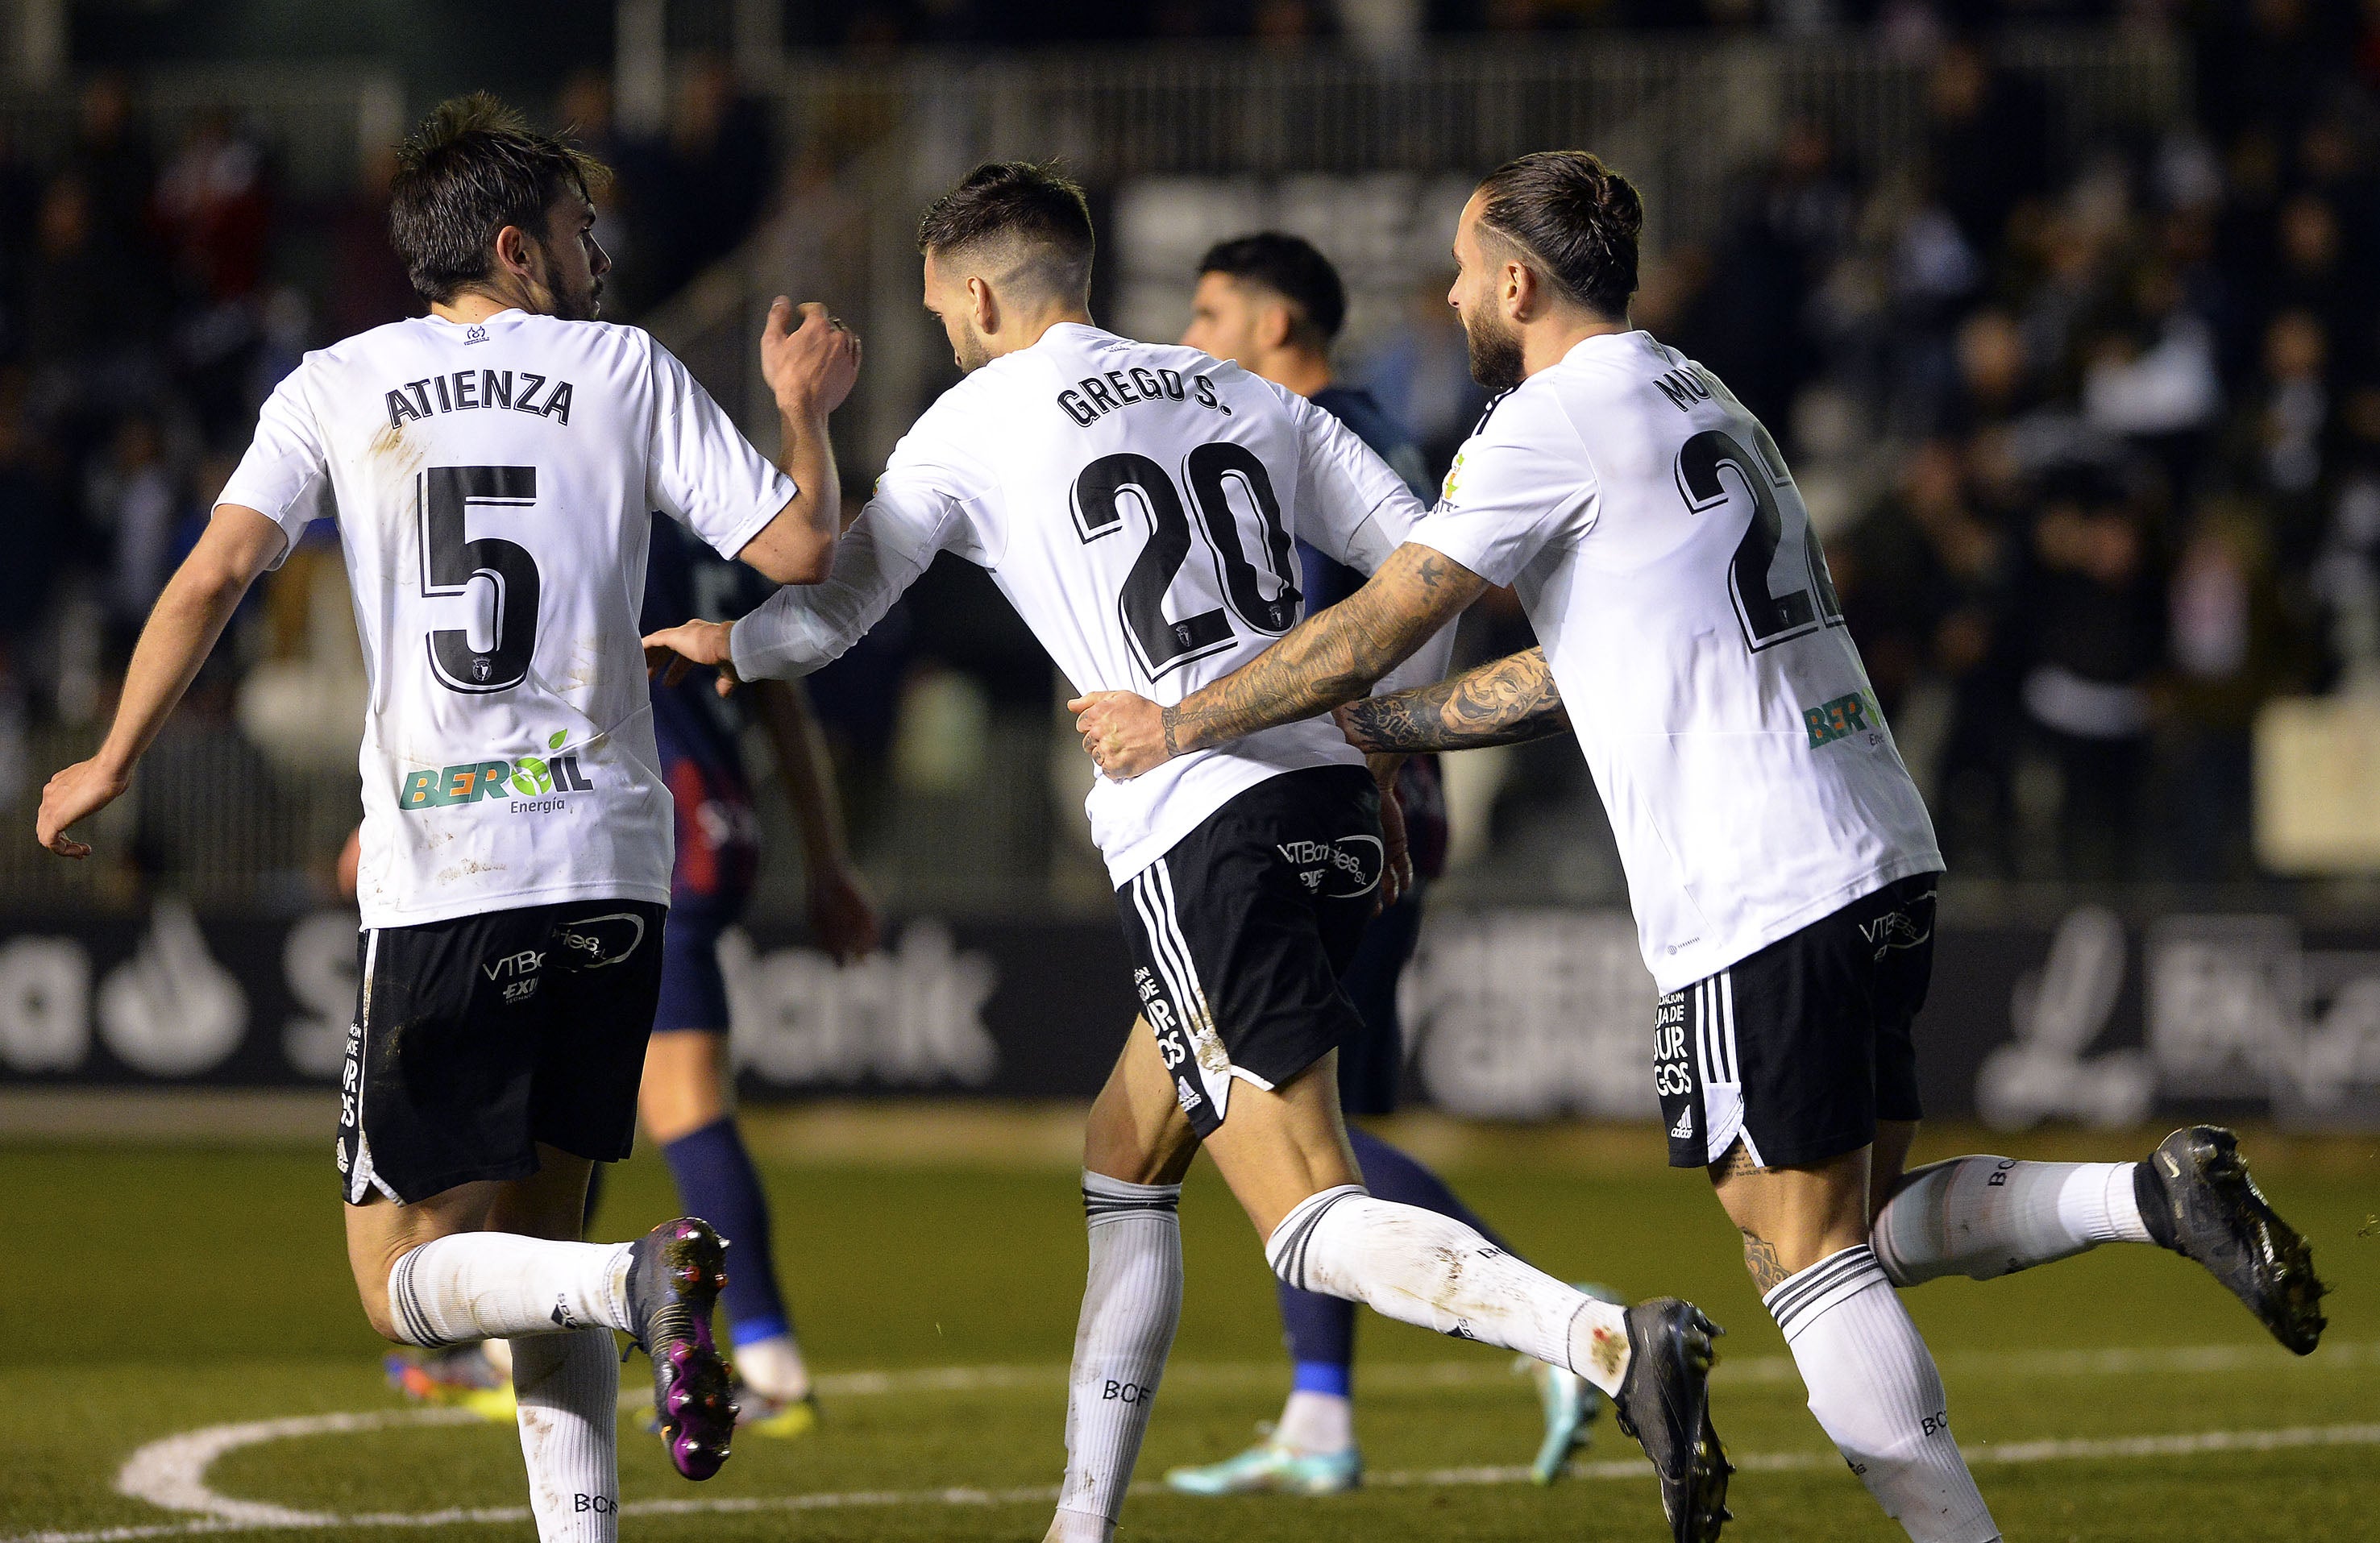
x,y
1137,503
492,467
1779,861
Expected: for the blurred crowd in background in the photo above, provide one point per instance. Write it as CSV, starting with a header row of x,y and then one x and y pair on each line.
x,y
2094,442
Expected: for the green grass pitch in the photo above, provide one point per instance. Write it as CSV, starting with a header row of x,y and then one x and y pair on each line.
x,y
155,1290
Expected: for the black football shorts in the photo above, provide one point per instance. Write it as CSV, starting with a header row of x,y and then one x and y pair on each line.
x,y
1241,931
477,1037
1799,1049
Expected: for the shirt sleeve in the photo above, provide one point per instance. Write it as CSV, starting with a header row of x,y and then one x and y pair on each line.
x,y
1352,507
286,475
1517,487
919,509
700,470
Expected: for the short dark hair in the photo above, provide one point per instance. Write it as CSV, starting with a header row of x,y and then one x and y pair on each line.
x,y
1293,268
1030,204
1574,219
473,167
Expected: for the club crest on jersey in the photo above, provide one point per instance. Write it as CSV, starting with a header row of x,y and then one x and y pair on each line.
x,y
528,778
1839,719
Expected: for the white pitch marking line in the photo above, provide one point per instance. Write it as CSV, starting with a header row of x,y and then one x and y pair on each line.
x,y
257,1517
171,1473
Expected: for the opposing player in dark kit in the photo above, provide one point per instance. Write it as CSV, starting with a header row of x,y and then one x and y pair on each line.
x,y
1138,502
492,468
1780,862
1273,305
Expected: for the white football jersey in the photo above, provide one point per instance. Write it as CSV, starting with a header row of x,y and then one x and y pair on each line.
x,y
493,487
1662,550
1137,503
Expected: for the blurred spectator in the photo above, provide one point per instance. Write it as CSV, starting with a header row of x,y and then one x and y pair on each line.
x,y
2092,611
1751,324
689,198
2233,649
368,282
134,500
214,209
1986,142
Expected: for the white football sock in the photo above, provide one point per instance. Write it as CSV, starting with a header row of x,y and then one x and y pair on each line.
x,y
1132,1303
1421,1268
1989,1216
568,1386
773,1368
1317,1424
1079,1526
481,1285
1875,1390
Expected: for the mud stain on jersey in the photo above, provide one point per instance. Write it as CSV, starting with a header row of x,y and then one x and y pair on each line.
x,y
399,456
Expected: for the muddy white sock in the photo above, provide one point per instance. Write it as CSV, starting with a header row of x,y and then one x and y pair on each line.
x,y
1875,1390
483,1285
1990,1216
1316,1425
568,1388
773,1368
1421,1268
1132,1303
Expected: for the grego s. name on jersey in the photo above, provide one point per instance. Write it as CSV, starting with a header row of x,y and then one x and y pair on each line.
x,y
493,485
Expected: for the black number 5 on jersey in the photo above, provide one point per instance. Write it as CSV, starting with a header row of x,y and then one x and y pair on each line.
x,y
1212,471
1774,601
450,563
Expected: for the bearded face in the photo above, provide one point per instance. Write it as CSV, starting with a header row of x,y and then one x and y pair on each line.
x,y
1495,346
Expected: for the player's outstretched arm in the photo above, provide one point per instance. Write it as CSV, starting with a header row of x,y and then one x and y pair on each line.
x,y
1330,657
842,917
182,629
1505,702
810,368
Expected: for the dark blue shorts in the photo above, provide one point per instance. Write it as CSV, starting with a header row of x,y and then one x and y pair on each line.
x,y
1371,1063
694,991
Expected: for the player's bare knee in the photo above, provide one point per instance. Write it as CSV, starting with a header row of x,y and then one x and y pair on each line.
x,y
377,1310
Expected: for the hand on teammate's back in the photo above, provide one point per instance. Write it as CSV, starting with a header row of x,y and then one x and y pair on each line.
x,y
810,367
1123,734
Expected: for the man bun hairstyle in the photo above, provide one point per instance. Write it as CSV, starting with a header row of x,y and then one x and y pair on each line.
x,y
1293,268
1572,219
1032,212
473,167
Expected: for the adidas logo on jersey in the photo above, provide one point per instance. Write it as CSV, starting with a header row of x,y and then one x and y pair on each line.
x,y
1684,1130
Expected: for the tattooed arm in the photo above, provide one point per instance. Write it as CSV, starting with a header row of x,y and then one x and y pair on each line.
x,y
1329,657
1504,702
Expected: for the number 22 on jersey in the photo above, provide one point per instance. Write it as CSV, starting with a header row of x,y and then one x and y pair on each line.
x,y
1775,601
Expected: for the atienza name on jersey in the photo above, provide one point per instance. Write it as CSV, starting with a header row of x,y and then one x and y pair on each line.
x,y
1657,541
1138,504
493,485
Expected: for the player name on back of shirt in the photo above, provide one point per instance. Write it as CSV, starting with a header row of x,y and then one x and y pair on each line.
x,y
477,390
1094,396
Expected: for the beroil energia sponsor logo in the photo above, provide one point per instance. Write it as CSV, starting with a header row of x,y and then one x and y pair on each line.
x,y
532,778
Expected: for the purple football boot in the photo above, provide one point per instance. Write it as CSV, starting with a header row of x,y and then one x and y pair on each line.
x,y
675,1275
